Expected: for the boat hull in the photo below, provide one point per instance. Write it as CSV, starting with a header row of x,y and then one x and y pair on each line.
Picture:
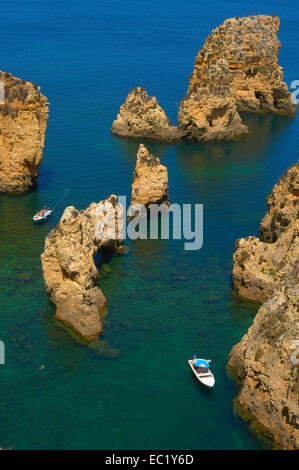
x,y
38,218
207,381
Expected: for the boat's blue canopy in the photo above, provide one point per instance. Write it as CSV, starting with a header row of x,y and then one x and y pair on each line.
x,y
201,363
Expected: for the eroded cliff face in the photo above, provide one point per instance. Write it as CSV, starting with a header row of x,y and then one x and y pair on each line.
x,y
258,261
150,184
262,361
209,112
250,47
141,116
23,121
68,263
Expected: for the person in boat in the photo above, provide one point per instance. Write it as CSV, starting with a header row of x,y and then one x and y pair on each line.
x,y
202,368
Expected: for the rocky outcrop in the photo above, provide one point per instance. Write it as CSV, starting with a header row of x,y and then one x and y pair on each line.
x,y
68,263
209,112
150,184
23,121
141,116
265,361
258,261
249,46
266,367
283,206
235,70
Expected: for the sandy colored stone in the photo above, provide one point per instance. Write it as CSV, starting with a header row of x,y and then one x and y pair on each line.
x,y
23,121
269,272
236,70
269,382
250,47
141,116
209,112
258,261
283,206
68,263
150,184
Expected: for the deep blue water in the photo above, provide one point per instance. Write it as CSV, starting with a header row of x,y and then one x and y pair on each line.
x,y
165,304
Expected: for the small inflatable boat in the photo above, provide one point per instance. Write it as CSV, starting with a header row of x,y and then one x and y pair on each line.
x,y
42,215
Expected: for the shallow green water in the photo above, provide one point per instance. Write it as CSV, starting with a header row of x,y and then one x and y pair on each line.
x,y
165,304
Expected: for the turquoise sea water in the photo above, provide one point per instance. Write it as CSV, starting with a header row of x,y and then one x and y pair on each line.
x,y
165,304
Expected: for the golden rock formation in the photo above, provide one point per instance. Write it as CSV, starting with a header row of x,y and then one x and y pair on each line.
x,y
150,184
23,121
265,361
258,261
236,70
250,47
141,116
209,112
68,263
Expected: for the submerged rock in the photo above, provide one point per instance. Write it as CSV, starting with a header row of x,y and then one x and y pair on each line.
x,y
141,116
209,112
23,121
264,361
68,263
150,184
103,349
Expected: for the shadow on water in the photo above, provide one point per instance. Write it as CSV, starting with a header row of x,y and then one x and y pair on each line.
x,y
231,158
202,389
63,337
129,146
240,309
201,156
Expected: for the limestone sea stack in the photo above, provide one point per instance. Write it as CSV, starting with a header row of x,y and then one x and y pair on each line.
x,y
265,362
236,70
68,263
209,112
23,121
150,184
141,116
250,47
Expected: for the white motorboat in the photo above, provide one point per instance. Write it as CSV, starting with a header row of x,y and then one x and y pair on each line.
x,y
201,370
42,215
